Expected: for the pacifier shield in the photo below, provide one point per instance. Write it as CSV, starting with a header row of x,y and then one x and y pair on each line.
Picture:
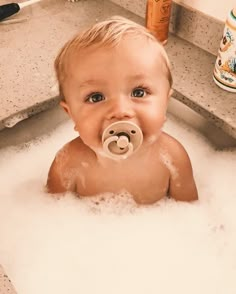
x,y
121,139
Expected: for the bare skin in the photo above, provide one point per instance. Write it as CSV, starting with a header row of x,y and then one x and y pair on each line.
x,y
163,170
127,82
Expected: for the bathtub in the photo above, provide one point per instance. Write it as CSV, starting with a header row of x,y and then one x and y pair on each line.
x,y
71,245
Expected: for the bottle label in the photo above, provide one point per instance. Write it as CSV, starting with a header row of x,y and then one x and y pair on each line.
x,y
158,17
161,13
225,67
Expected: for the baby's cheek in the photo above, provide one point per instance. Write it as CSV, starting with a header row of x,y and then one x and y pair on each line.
x,y
152,125
90,135
155,117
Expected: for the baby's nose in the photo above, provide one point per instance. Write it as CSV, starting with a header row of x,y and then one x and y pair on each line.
x,y
120,109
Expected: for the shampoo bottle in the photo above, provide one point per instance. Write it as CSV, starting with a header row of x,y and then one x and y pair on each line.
x,y
158,18
225,67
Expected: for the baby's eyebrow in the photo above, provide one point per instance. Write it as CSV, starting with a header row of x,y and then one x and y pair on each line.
x,y
140,76
96,82
90,82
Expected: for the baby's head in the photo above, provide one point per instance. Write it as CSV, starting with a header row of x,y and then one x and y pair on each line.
x,y
114,71
106,33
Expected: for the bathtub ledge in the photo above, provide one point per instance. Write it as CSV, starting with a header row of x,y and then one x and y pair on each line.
x,y
192,69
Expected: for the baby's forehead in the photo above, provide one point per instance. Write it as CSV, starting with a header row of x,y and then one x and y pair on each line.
x,y
128,43
138,48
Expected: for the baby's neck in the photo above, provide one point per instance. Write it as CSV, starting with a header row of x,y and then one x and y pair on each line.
x,y
141,154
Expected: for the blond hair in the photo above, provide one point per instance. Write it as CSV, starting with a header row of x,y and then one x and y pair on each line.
x,y
108,32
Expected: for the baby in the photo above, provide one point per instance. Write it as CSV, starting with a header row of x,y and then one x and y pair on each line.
x,y
115,83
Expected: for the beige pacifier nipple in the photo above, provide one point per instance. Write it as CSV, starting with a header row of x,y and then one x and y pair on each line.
x,y
121,139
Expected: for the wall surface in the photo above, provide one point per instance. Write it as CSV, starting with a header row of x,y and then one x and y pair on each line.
x,y
216,9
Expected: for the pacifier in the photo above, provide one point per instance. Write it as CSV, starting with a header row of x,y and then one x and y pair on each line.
x,y
121,139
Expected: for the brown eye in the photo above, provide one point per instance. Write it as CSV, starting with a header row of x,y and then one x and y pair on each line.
x,y
95,97
138,92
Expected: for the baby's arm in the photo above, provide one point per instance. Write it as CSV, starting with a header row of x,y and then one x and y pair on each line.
x,y
60,179
182,184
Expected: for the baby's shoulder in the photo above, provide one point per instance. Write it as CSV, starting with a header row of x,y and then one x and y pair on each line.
x,y
67,162
73,152
174,148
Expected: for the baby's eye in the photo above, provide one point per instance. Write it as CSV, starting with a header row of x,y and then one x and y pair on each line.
x,y
138,92
95,97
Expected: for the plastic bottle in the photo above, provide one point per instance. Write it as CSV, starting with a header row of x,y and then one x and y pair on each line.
x,y
225,67
158,18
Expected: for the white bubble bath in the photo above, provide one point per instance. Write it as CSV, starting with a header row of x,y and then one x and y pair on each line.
x,y
108,244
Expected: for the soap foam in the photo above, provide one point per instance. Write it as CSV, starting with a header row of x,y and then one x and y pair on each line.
x,y
108,243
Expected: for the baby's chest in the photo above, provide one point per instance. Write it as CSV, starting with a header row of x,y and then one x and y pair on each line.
x,y
146,186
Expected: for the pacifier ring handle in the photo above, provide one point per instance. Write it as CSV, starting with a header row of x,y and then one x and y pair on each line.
x,y
121,139
123,134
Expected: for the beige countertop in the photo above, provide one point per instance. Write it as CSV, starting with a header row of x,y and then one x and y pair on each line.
x,y
28,49
6,286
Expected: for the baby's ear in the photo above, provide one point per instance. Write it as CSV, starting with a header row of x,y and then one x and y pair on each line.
x,y
66,107
171,92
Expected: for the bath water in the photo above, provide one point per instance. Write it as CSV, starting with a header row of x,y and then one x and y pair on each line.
x,y
109,244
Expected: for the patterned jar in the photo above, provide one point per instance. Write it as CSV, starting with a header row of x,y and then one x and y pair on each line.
x,y
225,67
